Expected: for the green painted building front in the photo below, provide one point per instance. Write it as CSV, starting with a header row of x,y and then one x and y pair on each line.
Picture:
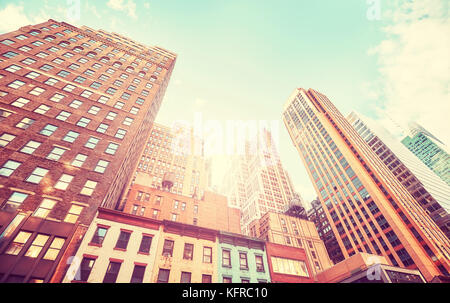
x,y
241,259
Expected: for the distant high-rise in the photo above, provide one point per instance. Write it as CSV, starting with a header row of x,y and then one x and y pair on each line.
x,y
423,184
430,150
76,108
257,182
369,209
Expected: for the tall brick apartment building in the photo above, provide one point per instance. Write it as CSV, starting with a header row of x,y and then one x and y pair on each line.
x,y
76,108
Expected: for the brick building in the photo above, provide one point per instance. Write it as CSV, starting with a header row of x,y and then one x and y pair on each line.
x,y
76,108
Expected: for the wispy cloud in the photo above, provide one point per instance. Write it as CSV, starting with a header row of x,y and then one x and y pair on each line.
x,y
414,64
13,17
126,6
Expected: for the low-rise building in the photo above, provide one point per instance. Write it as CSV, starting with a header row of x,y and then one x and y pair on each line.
x,y
241,259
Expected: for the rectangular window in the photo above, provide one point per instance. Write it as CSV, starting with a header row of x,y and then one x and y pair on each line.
x,y
226,258
188,251
25,123
54,249
185,277
122,242
163,275
48,130
86,268
92,142
5,138
207,254
146,243
36,246
138,274
243,260
71,136
99,235
88,188
18,243
37,175
73,213
168,248
101,166
45,208
9,167
112,148
76,103
206,279
15,200
63,182
79,160
42,109
112,272
259,263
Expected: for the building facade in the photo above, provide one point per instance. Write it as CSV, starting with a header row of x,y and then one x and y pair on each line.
x,y
117,248
209,211
430,150
369,209
241,259
422,183
317,215
288,264
256,182
76,107
288,230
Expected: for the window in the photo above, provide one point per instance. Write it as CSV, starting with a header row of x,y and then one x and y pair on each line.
x,y
36,246
146,243
56,153
92,142
57,98
5,138
259,263
10,55
37,175
9,167
226,258
79,160
103,100
174,217
63,116
163,275
18,243
101,166
119,105
122,242
13,68
71,136
42,109
138,274
168,248
188,251
206,279
75,103
63,73
207,254
88,188
99,235
4,114
73,213
120,134
63,182
25,123
86,268
37,91
54,249
227,280
48,130
86,94
289,266
243,260
112,272
44,67
45,208
15,200
112,148
79,79
111,91
134,110
83,122
185,277
102,128
128,121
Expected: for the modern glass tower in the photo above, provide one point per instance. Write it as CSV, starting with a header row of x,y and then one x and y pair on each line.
x,y
423,184
368,208
430,150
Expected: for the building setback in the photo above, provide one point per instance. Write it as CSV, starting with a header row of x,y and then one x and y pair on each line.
x,y
368,208
241,259
76,109
317,215
422,183
288,230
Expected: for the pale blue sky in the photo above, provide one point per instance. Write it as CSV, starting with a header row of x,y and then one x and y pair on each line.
x,y
240,60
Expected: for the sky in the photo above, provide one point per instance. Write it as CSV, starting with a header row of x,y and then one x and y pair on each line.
x,y
240,60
